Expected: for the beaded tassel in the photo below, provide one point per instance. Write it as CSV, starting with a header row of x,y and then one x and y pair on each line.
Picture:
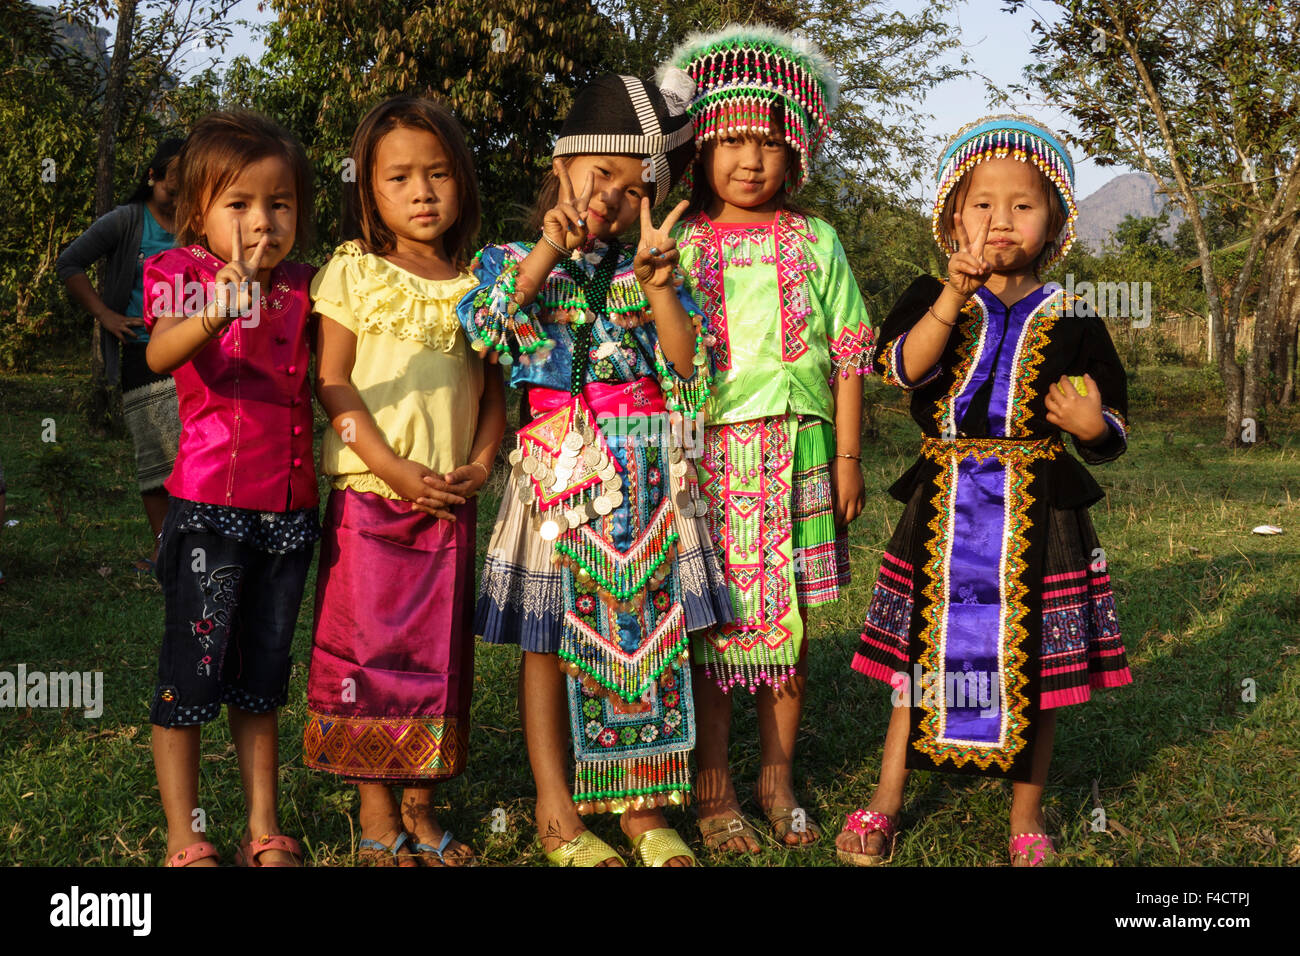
x,y
615,786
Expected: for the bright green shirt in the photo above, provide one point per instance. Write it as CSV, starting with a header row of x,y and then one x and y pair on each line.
x,y
784,311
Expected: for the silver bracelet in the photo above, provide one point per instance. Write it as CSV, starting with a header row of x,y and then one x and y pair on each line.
x,y
564,253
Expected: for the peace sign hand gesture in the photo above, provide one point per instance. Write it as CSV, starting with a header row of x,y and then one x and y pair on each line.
x,y
236,280
967,268
657,255
565,224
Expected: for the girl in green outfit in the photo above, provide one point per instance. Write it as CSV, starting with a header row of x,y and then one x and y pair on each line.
x,y
780,463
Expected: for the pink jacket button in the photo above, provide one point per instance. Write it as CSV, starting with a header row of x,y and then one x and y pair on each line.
x,y
297,463
297,429
292,369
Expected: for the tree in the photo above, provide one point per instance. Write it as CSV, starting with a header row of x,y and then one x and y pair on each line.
x,y
506,68
1203,97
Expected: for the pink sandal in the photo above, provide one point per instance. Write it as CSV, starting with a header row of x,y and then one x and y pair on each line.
x,y
1034,847
195,851
247,855
863,822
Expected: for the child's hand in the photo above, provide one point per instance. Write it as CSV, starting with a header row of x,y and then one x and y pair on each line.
x,y
453,488
848,493
656,254
566,223
407,478
1080,415
967,268
239,274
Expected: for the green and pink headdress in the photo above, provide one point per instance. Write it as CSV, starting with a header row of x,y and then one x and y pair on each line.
x,y
1006,136
745,75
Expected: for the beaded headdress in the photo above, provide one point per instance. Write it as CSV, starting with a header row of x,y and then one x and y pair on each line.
x,y
1000,137
626,116
743,73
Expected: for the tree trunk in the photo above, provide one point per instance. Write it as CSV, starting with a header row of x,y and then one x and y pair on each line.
x,y
101,411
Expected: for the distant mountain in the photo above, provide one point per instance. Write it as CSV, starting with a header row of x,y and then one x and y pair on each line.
x,y
1133,194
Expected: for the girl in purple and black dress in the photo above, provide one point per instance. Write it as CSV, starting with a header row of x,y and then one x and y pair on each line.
x,y
993,604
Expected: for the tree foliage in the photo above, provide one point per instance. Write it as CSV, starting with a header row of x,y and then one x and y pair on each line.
x,y
1203,97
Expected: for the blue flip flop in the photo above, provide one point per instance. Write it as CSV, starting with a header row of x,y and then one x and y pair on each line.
x,y
368,844
440,848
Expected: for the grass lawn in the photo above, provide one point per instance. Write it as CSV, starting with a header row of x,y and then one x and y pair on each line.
x,y
1185,770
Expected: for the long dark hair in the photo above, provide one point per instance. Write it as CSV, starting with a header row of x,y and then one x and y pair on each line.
x,y
157,168
361,219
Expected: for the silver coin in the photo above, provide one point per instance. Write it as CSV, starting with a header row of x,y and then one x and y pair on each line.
x,y
590,509
573,440
678,468
674,454
588,435
550,530
608,472
530,466
683,499
524,495
592,457
575,517
516,457
615,498
612,484
603,506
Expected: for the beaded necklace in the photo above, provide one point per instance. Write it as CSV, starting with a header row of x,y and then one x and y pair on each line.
x,y
595,289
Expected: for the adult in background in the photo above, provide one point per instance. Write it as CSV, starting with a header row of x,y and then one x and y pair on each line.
x,y
126,236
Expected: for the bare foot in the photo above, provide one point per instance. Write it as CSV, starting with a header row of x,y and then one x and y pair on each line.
x,y
637,822
558,824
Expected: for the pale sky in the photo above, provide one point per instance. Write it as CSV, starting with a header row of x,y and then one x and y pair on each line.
x,y
998,43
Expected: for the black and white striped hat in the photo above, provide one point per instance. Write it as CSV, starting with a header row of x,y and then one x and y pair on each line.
x,y
626,116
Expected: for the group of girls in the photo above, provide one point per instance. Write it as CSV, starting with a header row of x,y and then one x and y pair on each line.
x,y
680,485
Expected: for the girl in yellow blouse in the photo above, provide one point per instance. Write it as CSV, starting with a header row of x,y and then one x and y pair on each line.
x,y
417,419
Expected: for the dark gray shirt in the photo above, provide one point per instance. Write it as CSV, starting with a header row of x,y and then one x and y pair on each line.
x,y
115,236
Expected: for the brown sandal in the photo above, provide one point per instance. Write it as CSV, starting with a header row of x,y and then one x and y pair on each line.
x,y
782,821
715,831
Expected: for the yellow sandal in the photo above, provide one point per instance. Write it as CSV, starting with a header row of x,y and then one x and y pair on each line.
x,y
657,847
586,849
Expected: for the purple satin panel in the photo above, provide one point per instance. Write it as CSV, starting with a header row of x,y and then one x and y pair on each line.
x,y
984,365
975,600
1016,325
394,610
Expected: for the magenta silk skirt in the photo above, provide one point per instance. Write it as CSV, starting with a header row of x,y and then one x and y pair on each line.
x,y
392,660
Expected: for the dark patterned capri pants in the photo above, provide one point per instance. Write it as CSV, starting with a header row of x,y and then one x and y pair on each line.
x,y
231,609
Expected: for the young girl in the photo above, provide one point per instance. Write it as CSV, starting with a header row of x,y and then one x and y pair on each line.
x,y
416,428
781,464
600,485
993,605
227,316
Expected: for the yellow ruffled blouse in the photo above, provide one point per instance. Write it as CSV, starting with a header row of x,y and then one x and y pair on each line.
x,y
414,368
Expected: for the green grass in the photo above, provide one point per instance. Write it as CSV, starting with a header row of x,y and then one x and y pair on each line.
x,y
1186,771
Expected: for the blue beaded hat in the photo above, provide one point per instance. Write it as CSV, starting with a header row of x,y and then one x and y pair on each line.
x,y
1006,136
